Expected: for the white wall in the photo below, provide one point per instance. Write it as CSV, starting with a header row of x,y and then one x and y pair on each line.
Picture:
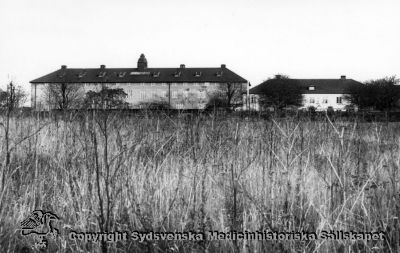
x,y
183,95
322,101
38,99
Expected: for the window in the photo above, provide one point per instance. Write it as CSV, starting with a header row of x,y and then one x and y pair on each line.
x,y
121,74
179,106
197,74
338,100
311,88
312,100
102,74
82,74
156,74
174,94
219,73
177,74
324,100
143,95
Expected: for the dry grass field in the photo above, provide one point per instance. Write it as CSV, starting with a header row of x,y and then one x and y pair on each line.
x,y
201,173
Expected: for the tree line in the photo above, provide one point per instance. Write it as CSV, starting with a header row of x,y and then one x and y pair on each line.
x,y
64,97
380,94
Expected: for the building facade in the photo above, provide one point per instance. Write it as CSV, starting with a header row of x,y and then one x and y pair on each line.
x,y
318,93
179,88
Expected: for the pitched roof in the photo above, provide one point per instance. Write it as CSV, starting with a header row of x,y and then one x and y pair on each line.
x,y
321,86
140,75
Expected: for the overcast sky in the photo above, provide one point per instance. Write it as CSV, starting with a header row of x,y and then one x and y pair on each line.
x,y
254,38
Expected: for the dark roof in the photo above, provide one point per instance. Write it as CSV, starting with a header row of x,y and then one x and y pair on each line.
x,y
135,75
321,86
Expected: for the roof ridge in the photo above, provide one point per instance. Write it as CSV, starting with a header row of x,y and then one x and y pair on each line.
x,y
148,68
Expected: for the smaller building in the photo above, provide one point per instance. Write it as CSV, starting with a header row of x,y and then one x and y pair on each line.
x,y
318,93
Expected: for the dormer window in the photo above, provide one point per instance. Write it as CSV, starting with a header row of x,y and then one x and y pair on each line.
x,y
102,74
219,73
136,73
121,74
81,74
311,87
177,74
197,74
156,74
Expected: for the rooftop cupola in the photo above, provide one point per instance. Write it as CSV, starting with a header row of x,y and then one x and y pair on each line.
x,y
142,62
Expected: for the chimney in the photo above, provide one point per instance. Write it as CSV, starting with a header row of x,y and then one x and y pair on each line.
x,y
142,62
343,77
223,66
182,66
102,66
63,66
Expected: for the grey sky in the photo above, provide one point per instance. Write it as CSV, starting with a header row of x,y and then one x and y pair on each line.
x,y
254,38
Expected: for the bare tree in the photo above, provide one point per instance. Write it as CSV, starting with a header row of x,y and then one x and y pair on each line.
x,y
9,101
106,99
106,106
279,92
228,96
64,96
381,94
190,100
13,98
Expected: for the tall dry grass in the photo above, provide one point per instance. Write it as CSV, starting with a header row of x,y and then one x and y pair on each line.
x,y
201,173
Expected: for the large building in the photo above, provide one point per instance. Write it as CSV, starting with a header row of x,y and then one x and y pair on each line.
x,y
318,93
180,88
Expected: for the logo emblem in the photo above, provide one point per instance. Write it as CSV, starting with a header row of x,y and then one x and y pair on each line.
x,y
39,224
